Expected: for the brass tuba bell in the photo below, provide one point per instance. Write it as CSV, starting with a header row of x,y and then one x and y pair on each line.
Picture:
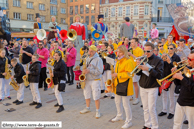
x,y
41,34
72,34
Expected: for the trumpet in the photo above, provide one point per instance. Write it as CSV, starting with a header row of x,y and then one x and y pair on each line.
x,y
105,54
161,80
176,64
188,72
165,57
141,57
136,69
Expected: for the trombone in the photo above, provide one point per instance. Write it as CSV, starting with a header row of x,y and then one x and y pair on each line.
x,y
176,64
144,59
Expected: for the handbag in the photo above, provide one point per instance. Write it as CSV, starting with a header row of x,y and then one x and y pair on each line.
x,y
62,85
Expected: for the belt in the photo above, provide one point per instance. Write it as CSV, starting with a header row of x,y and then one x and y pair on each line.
x,y
97,79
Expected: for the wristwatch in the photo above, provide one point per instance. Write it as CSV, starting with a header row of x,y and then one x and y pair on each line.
x,y
149,69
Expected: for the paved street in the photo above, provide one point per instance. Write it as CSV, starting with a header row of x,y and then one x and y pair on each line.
x,y
71,118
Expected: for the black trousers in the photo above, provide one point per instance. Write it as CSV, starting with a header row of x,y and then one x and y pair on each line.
x,y
70,74
43,77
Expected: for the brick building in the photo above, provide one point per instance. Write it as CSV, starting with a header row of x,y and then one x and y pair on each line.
x,y
116,10
22,13
88,9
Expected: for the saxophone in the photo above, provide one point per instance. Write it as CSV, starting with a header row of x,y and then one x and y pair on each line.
x,y
110,82
65,56
7,70
14,85
82,77
25,78
20,55
49,81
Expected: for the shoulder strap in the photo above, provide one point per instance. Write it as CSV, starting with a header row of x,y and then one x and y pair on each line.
x,y
70,49
117,72
90,62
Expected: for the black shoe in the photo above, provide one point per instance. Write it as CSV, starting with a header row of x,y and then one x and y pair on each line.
x,y
170,116
19,102
33,103
102,91
61,108
141,106
45,89
112,97
162,114
68,82
9,97
186,122
105,96
71,83
145,127
56,105
15,101
38,105
78,86
39,87
27,86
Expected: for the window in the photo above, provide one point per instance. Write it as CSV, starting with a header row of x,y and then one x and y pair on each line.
x,y
16,3
93,8
112,12
112,26
87,20
42,18
53,10
128,10
71,10
62,20
82,17
71,0
7,14
29,5
106,12
92,19
17,15
106,1
63,11
53,1
81,9
71,20
120,0
120,13
160,1
30,17
136,10
145,25
76,9
160,12
63,1
87,8
41,6
75,0
146,9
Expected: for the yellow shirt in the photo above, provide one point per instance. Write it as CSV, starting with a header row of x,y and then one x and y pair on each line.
x,y
81,52
115,46
124,66
163,51
136,52
120,43
166,45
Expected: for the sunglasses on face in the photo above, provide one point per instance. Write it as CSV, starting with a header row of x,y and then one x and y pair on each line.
x,y
40,44
171,48
147,51
161,46
189,59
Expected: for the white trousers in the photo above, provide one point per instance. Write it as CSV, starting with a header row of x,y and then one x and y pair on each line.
x,y
123,101
148,98
20,92
102,83
58,95
35,92
2,88
170,94
25,66
7,87
179,117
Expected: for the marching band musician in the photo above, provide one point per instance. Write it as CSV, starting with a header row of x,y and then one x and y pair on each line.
x,y
136,52
43,54
101,26
33,78
126,43
71,58
123,86
169,41
80,29
56,48
15,50
161,49
46,44
168,65
53,28
26,52
183,51
127,29
185,103
110,42
3,90
93,74
81,49
33,45
59,76
148,85
107,71
19,73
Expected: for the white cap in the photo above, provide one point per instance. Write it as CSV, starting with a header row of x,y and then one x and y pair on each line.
x,y
190,40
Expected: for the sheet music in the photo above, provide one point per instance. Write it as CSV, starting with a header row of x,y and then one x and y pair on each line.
x,y
110,60
146,72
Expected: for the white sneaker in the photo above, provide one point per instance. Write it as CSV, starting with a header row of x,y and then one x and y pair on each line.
x,y
135,101
127,125
131,98
98,115
116,119
85,110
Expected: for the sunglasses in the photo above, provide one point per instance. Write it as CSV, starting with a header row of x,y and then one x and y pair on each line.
x,y
161,46
40,44
171,48
147,51
189,59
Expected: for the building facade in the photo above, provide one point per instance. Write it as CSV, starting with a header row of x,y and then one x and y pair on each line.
x,y
22,13
88,9
115,11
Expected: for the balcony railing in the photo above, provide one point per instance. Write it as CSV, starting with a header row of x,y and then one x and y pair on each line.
x,y
160,2
162,19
